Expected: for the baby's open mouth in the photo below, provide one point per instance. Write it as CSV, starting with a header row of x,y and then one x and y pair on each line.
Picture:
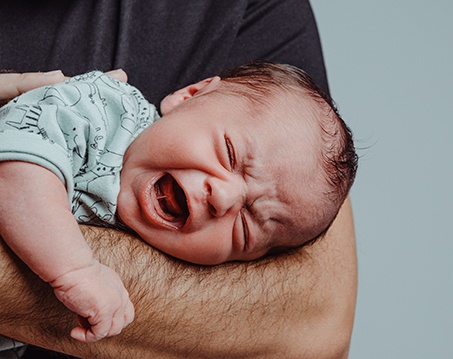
x,y
172,201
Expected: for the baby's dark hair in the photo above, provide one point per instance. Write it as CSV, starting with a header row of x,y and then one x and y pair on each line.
x,y
258,80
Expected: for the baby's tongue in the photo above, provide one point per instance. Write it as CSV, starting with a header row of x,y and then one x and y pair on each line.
x,y
175,199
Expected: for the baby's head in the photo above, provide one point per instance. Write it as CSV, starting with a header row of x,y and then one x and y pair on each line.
x,y
239,166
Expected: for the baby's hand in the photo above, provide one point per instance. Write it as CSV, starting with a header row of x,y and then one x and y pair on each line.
x,y
98,296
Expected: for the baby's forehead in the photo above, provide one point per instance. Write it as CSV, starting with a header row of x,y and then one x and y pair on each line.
x,y
296,112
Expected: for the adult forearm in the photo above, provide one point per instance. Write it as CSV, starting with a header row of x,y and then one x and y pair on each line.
x,y
299,305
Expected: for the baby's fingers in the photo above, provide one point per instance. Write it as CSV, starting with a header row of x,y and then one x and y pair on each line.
x,y
90,333
86,335
121,319
129,313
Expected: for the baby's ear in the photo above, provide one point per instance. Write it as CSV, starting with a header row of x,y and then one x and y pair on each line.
x,y
173,100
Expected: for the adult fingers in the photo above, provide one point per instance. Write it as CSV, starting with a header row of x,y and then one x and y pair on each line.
x,y
13,84
117,74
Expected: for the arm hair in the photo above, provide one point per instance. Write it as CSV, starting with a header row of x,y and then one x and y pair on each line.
x,y
299,305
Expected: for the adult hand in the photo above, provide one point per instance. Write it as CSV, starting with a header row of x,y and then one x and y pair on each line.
x,y
14,84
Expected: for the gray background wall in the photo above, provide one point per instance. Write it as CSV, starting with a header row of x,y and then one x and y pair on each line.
x,y
390,67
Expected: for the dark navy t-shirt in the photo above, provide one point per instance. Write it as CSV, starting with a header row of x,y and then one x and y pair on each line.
x,y
162,45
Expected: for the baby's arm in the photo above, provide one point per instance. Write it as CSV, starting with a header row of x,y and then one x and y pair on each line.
x,y
34,204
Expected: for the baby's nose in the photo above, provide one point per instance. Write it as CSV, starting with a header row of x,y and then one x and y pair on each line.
x,y
224,195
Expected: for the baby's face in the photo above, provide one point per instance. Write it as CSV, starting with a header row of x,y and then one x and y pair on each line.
x,y
210,182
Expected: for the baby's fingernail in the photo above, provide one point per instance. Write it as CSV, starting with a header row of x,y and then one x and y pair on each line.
x,y
54,72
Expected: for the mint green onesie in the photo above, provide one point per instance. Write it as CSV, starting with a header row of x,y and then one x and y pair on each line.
x,y
80,130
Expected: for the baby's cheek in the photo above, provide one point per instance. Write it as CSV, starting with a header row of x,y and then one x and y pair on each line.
x,y
213,248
